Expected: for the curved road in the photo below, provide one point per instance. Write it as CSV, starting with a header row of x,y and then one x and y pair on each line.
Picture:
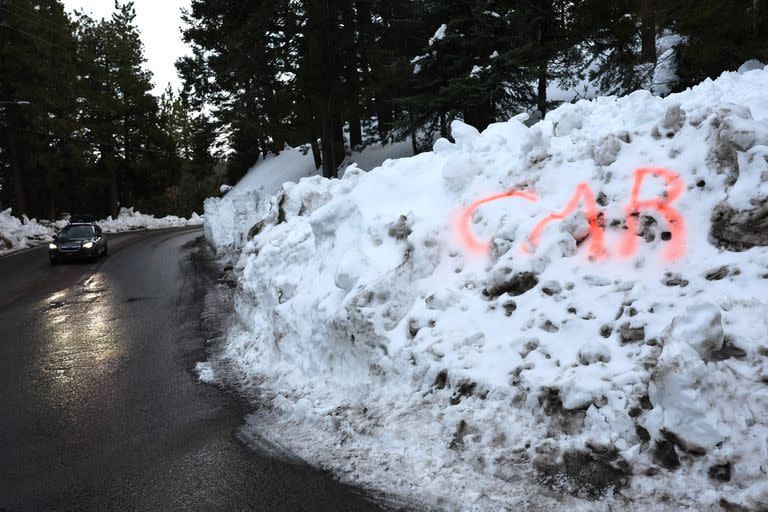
x,y
99,409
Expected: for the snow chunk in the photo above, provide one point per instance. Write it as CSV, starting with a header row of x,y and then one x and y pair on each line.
x,y
750,65
439,34
205,372
594,352
700,327
463,133
607,150
681,395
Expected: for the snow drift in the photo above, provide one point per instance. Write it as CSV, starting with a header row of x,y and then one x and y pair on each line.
x,y
21,233
228,219
129,220
16,234
399,358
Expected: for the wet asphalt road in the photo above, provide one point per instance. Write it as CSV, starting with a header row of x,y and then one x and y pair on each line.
x,y
99,409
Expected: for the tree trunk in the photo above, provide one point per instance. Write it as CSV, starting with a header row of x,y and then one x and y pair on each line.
x,y
365,37
316,152
51,205
114,202
326,140
339,151
648,30
108,166
277,146
384,118
18,174
311,134
443,126
478,116
323,74
351,74
543,37
125,185
760,17
355,128
541,89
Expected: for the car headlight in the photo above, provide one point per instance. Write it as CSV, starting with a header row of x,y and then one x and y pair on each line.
x,y
53,246
87,245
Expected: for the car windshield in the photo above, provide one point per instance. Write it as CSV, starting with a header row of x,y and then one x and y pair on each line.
x,y
76,232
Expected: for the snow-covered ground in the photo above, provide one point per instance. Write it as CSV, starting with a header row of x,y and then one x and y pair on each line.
x,y
623,356
16,234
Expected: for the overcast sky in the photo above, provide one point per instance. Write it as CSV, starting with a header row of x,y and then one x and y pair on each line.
x,y
160,25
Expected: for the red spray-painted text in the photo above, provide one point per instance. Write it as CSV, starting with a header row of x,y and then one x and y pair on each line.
x,y
584,195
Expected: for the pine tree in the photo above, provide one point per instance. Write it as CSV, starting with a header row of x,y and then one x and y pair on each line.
x,y
244,68
119,111
37,65
719,36
477,65
612,34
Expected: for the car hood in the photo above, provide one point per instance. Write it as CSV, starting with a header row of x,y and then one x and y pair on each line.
x,y
70,240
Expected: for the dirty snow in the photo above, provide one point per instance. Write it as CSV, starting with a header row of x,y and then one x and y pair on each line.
x,y
388,353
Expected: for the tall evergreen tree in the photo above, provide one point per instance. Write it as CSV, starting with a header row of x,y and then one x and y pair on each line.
x,y
91,128
478,65
37,65
718,35
119,111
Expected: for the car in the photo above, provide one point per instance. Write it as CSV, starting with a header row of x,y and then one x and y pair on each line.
x,y
77,241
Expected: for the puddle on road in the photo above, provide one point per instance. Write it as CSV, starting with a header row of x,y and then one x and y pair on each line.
x,y
91,289
79,343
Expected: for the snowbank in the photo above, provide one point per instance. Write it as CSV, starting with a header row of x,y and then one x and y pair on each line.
x,y
398,354
21,233
228,219
129,220
16,234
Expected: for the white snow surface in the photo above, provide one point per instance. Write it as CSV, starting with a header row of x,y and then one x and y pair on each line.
x,y
439,34
391,355
228,219
17,234
130,220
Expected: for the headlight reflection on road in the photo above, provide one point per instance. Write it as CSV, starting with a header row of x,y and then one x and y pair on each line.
x,y
79,345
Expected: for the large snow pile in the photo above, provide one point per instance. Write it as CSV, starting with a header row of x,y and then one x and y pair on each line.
x,y
21,233
398,357
129,220
228,219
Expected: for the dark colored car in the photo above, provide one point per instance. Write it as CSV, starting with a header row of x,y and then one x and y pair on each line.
x,y
78,240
